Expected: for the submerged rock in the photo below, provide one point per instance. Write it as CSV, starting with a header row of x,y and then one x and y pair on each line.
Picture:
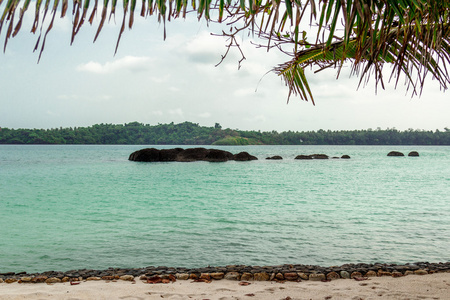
x,y
244,156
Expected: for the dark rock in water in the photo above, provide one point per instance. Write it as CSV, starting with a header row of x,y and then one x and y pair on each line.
x,y
192,154
215,155
244,156
182,155
395,153
274,157
345,156
413,153
312,156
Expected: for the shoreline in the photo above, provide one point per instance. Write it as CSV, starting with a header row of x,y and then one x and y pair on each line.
x,y
286,272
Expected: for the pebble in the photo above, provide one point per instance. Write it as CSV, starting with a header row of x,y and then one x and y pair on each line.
x,y
53,280
333,276
420,272
291,276
261,276
247,276
232,276
127,277
182,276
317,277
371,274
217,275
93,278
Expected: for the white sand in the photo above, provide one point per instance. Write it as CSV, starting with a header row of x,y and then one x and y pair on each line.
x,y
435,286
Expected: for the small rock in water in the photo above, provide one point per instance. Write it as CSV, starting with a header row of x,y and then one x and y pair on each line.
x,y
395,153
413,153
345,156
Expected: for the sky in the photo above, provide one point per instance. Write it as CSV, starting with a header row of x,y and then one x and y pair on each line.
x,y
151,80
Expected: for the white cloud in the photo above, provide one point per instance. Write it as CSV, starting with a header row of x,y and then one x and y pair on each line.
x,y
127,63
176,112
205,115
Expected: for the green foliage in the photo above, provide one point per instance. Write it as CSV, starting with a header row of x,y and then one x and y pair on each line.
x,y
188,133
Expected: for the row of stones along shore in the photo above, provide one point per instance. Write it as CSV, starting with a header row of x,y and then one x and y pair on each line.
x,y
232,272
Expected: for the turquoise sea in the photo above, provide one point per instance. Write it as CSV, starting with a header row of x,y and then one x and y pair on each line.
x,y
79,206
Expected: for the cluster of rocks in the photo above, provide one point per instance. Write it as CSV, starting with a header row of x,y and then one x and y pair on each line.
x,y
397,153
311,156
232,272
320,156
188,155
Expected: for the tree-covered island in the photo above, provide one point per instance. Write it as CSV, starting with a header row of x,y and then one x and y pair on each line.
x,y
189,133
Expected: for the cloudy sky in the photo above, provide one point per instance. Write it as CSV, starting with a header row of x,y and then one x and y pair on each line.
x,y
154,81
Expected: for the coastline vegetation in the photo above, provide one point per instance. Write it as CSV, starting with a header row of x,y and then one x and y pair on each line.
x,y
188,133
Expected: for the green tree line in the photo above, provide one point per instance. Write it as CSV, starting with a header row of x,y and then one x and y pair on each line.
x,y
189,133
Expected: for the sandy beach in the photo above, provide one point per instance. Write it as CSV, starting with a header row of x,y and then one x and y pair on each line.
x,y
433,286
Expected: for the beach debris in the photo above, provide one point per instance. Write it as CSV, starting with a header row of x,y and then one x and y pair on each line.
x,y
244,283
250,295
74,282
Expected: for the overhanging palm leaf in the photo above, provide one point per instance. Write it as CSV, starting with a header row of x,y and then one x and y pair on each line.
x,y
412,35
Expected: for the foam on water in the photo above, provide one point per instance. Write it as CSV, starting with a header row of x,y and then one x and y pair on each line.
x,y
70,207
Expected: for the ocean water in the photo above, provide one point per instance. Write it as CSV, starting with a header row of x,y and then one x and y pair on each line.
x,y
72,207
